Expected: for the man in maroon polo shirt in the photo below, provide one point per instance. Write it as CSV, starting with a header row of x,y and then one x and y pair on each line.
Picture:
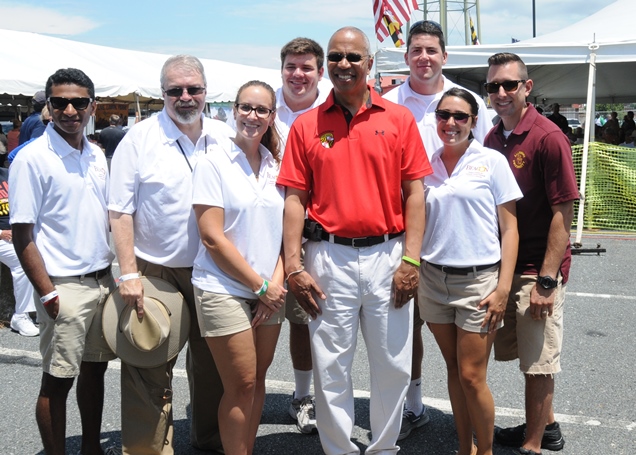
x,y
541,160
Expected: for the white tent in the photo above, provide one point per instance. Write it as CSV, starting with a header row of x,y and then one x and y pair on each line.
x,y
28,59
558,62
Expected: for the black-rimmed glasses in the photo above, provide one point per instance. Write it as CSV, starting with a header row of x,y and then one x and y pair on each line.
x,y
178,91
60,103
508,86
459,117
351,57
261,112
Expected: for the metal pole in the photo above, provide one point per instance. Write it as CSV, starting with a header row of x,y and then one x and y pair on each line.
x,y
534,20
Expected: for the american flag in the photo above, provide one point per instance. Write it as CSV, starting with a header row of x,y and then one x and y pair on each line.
x,y
396,10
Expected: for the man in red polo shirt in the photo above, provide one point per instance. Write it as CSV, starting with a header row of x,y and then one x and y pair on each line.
x,y
541,160
356,163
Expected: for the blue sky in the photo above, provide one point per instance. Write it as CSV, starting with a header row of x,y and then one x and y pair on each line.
x,y
252,32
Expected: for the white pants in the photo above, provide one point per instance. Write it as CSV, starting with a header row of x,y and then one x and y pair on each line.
x,y
357,283
22,288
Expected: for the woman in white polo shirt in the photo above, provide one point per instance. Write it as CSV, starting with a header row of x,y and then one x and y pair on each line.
x,y
238,273
467,271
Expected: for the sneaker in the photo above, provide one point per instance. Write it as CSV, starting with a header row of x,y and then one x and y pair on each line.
x,y
524,451
23,324
303,411
410,422
514,436
113,450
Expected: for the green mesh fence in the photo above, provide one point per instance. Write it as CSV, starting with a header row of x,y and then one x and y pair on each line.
x,y
610,193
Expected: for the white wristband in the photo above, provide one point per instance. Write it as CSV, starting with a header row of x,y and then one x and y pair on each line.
x,y
128,276
49,296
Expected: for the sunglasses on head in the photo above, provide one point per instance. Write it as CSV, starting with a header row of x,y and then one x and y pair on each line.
x,y
352,57
246,109
423,25
509,86
460,117
60,103
178,91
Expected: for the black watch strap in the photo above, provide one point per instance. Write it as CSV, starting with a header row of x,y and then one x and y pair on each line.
x,y
547,282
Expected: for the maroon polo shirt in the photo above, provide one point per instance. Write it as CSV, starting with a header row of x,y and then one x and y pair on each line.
x,y
540,157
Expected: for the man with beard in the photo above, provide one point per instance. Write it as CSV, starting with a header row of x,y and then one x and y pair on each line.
x,y
155,233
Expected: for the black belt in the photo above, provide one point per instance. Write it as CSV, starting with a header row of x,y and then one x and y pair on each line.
x,y
461,270
97,275
359,242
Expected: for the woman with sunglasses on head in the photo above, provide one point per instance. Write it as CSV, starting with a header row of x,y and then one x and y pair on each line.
x,y
238,273
467,270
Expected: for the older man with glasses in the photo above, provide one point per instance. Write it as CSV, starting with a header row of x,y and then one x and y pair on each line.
x,y
155,233
426,56
357,163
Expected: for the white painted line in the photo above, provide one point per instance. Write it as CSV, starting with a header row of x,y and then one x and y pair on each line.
x,y
602,296
442,405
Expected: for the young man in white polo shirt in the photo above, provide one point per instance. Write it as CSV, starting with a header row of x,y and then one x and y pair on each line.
x,y
301,70
426,55
59,190
155,232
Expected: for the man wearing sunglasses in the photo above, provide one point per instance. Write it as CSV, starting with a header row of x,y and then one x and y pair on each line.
x,y
155,233
301,70
58,197
425,56
541,160
356,162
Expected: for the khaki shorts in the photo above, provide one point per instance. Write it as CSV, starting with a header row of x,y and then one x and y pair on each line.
x,y
537,344
222,314
453,299
75,336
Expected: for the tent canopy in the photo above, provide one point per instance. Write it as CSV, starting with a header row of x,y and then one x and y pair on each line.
x,y
558,62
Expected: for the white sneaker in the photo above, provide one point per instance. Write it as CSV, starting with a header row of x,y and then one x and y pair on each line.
x,y
303,411
23,324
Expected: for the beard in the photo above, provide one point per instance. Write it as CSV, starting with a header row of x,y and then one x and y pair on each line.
x,y
187,117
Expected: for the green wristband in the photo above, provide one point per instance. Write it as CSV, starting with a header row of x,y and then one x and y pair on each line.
x,y
263,289
411,261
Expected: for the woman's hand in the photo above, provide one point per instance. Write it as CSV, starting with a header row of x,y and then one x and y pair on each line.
x,y
261,313
274,297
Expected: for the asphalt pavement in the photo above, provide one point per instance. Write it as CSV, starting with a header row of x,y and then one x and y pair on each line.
x,y
595,396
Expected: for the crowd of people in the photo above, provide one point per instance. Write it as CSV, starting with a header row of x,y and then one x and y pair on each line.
x,y
339,211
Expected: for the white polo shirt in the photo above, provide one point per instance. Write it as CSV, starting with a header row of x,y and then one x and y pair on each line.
x,y
462,227
253,215
63,192
151,179
423,109
285,116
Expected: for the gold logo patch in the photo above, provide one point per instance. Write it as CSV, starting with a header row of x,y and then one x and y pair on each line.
x,y
326,139
519,160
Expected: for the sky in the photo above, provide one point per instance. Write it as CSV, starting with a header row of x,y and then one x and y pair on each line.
x,y
252,32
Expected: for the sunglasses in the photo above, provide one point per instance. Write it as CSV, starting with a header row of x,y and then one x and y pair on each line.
x,y
423,25
351,57
178,91
459,117
60,103
246,109
509,86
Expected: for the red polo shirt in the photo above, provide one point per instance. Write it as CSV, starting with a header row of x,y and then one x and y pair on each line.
x,y
540,157
353,172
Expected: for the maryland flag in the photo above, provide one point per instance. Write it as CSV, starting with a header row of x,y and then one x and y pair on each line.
x,y
390,16
473,33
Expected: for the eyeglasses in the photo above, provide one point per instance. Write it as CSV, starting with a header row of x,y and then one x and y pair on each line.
x,y
509,86
246,109
423,25
460,117
60,103
178,91
351,57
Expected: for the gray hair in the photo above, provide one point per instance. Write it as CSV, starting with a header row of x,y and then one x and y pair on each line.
x,y
186,61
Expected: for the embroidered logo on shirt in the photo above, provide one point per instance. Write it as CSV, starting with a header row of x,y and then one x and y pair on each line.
x,y
478,170
327,140
519,159
379,132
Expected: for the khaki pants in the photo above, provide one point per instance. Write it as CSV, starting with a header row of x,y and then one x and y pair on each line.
x,y
146,393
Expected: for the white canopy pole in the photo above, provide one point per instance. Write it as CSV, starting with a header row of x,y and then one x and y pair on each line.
x,y
137,109
589,122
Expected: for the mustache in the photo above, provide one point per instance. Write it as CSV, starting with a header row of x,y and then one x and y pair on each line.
x,y
191,103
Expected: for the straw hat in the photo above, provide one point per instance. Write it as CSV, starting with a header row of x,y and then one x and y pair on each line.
x,y
157,337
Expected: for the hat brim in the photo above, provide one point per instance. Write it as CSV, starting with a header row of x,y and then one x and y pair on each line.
x,y
179,325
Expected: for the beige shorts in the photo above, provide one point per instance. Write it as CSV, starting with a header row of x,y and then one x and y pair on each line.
x,y
537,344
75,336
453,299
222,314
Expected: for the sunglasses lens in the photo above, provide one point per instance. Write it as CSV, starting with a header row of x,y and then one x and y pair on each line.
x,y
192,91
460,117
442,115
510,85
492,87
58,102
335,57
354,58
80,103
174,92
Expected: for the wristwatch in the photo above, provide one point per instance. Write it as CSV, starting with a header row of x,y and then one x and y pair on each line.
x,y
547,282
